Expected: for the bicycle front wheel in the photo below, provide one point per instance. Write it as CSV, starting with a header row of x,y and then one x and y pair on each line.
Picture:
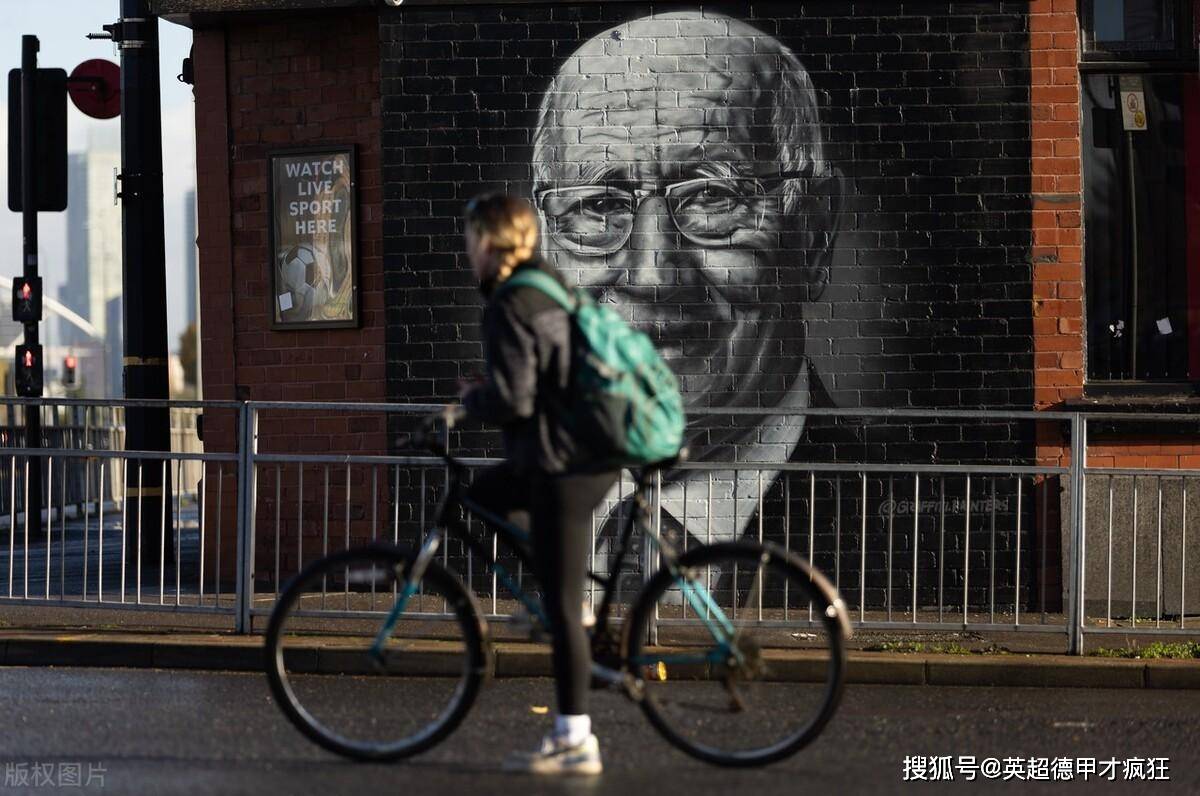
x,y
353,686
740,654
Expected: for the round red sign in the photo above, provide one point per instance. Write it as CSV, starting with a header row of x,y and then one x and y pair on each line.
x,y
95,88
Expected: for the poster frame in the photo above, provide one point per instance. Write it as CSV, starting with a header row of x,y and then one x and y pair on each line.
x,y
355,321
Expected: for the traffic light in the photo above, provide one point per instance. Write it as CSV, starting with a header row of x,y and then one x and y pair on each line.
x,y
27,299
69,363
29,371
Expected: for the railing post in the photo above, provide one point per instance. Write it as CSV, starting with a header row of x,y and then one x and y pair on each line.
x,y
1075,612
651,556
247,482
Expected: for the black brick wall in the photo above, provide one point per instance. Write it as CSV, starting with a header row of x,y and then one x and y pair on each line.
x,y
905,283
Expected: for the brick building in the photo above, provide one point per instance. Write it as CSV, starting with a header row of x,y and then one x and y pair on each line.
x,y
994,206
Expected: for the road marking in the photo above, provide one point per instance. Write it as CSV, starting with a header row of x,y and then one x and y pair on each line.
x,y
1075,725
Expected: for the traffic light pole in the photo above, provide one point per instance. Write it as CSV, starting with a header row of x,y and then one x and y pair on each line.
x,y
29,226
145,279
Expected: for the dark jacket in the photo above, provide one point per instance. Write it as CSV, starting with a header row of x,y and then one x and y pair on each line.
x,y
527,346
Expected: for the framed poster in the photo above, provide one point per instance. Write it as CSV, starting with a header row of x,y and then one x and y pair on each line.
x,y
311,207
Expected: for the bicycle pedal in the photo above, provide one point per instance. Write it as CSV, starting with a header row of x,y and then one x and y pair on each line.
x,y
605,678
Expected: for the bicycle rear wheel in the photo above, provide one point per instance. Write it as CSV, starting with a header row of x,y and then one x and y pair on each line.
x,y
733,704
343,681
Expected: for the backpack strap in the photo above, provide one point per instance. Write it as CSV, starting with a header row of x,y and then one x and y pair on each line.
x,y
540,280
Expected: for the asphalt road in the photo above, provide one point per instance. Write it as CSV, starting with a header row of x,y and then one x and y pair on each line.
x,y
163,732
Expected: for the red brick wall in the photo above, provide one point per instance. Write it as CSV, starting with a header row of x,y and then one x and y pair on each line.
x,y
291,84
1058,232
1057,251
1167,454
273,84
1057,206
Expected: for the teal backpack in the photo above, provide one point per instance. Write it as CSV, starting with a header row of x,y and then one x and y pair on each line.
x,y
625,401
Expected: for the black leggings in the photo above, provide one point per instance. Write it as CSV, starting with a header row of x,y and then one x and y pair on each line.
x,y
560,510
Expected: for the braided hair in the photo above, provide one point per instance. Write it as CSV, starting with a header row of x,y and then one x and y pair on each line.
x,y
508,224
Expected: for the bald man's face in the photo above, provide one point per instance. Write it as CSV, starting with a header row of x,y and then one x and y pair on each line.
x,y
665,200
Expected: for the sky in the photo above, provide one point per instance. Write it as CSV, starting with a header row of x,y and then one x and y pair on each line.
x,y
62,27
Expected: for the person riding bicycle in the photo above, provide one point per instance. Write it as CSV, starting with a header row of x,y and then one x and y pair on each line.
x,y
547,473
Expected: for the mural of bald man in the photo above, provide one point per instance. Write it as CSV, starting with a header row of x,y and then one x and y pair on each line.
x,y
680,173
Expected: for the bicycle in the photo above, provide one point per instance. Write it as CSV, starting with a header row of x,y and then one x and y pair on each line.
x,y
698,672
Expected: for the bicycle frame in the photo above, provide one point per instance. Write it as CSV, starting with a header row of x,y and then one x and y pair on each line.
x,y
516,540
629,662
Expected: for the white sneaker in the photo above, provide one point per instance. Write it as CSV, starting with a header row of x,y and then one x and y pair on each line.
x,y
557,757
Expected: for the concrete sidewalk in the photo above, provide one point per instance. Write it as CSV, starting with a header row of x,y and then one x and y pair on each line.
x,y
509,659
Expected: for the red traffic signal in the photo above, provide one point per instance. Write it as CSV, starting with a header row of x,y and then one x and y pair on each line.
x,y
27,299
69,363
28,376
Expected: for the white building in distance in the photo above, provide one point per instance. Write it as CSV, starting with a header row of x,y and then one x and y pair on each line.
x,y
94,250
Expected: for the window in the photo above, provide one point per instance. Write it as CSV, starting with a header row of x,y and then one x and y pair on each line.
x,y
1121,30
1142,217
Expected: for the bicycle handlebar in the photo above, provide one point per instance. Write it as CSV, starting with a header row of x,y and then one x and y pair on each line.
x,y
426,436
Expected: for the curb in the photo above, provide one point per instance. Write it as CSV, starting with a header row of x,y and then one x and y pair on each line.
x,y
513,659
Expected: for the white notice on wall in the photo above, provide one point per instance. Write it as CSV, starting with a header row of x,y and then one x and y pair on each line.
x,y
1164,325
1133,103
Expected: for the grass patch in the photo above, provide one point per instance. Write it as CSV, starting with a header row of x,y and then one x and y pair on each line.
x,y
1177,650
917,647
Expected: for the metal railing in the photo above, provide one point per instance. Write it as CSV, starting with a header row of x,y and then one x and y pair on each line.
x,y
928,547
1133,551
985,545
113,529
